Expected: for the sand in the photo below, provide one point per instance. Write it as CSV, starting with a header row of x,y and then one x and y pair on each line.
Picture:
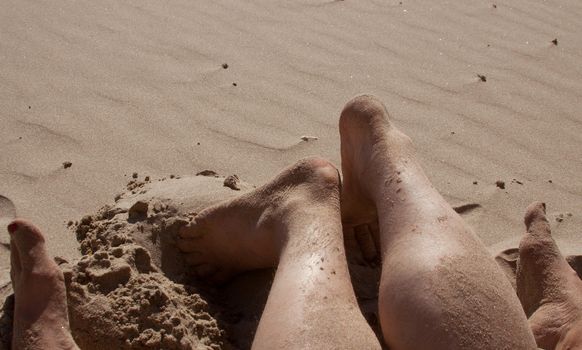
x,y
246,88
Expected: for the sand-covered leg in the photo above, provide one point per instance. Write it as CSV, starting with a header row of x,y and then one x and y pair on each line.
x,y
40,315
294,223
548,288
439,287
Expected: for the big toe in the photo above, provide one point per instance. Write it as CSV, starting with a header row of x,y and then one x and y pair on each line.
x,y
28,241
535,214
537,246
362,112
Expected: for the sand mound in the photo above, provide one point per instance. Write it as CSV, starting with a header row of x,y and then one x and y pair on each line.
x,y
127,290
131,290
115,303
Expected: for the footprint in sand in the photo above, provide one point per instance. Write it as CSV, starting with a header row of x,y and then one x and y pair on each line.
x,y
466,208
469,211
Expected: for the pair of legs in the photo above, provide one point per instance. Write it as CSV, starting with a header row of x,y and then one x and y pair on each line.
x,y
439,288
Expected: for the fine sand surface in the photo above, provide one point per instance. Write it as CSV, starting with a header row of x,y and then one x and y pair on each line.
x,y
161,88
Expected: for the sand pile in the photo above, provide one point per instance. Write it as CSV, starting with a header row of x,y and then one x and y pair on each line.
x,y
130,289
119,296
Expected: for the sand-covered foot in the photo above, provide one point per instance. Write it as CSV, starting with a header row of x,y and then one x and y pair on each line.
x,y
249,232
294,223
364,167
363,163
549,289
40,314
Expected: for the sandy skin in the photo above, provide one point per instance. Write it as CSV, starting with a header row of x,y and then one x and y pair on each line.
x,y
293,223
439,287
40,315
548,288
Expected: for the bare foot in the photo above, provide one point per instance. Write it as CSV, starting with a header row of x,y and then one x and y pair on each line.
x,y
250,231
361,167
363,163
549,289
293,223
40,313
456,296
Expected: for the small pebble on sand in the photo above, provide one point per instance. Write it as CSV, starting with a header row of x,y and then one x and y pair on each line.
x,y
482,77
500,184
555,42
67,164
147,178
134,175
225,65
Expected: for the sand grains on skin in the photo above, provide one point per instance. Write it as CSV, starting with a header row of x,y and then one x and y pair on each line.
x,y
550,290
40,300
425,246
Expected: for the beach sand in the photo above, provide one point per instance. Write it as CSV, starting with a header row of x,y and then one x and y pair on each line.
x,y
91,93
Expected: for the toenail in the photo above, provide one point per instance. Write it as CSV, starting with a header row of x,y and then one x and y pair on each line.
x,y
12,227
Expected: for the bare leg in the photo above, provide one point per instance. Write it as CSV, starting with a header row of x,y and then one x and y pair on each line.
x,y
439,287
294,223
549,289
40,315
